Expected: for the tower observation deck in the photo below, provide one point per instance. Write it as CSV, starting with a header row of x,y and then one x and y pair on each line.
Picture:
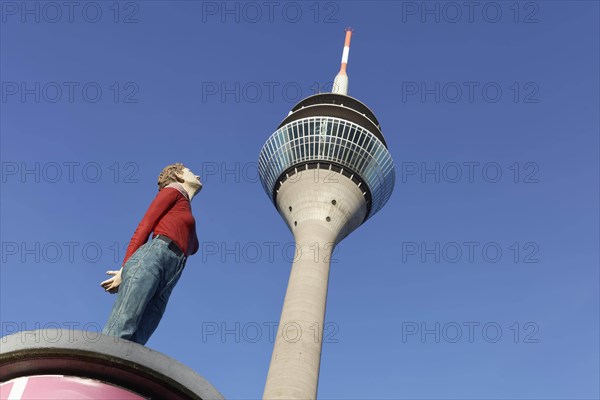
x,y
327,170
330,132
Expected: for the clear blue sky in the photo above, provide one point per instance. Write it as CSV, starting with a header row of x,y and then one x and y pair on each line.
x,y
500,88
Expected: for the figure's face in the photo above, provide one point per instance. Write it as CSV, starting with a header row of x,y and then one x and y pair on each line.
x,y
191,179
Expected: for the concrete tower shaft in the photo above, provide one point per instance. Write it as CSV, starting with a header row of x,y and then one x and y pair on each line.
x,y
321,207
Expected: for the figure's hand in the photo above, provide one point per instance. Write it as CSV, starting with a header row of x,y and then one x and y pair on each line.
x,y
112,285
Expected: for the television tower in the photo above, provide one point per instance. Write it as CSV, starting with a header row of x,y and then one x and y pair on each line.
x,y
327,170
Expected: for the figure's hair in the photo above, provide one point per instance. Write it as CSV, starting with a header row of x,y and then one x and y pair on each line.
x,y
169,174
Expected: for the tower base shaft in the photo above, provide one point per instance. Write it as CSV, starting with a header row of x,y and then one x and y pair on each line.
x,y
320,207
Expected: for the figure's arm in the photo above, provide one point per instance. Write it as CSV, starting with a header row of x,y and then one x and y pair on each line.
x,y
164,200
194,242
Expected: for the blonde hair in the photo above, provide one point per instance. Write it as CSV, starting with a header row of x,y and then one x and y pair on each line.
x,y
170,174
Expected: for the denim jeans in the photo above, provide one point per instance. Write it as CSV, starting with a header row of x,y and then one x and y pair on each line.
x,y
147,280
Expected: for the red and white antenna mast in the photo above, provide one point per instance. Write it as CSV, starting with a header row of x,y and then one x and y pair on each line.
x,y
340,84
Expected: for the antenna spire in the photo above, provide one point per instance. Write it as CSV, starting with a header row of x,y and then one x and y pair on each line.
x,y
340,84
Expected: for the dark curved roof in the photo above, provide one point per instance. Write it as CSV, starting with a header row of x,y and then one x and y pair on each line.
x,y
339,106
105,358
340,99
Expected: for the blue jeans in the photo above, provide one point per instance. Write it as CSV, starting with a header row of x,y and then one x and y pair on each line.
x,y
147,280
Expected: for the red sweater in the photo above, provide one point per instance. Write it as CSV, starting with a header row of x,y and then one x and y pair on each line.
x,y
169,214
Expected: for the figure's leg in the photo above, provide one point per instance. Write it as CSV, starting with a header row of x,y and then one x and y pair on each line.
x,y
157,305
140,280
